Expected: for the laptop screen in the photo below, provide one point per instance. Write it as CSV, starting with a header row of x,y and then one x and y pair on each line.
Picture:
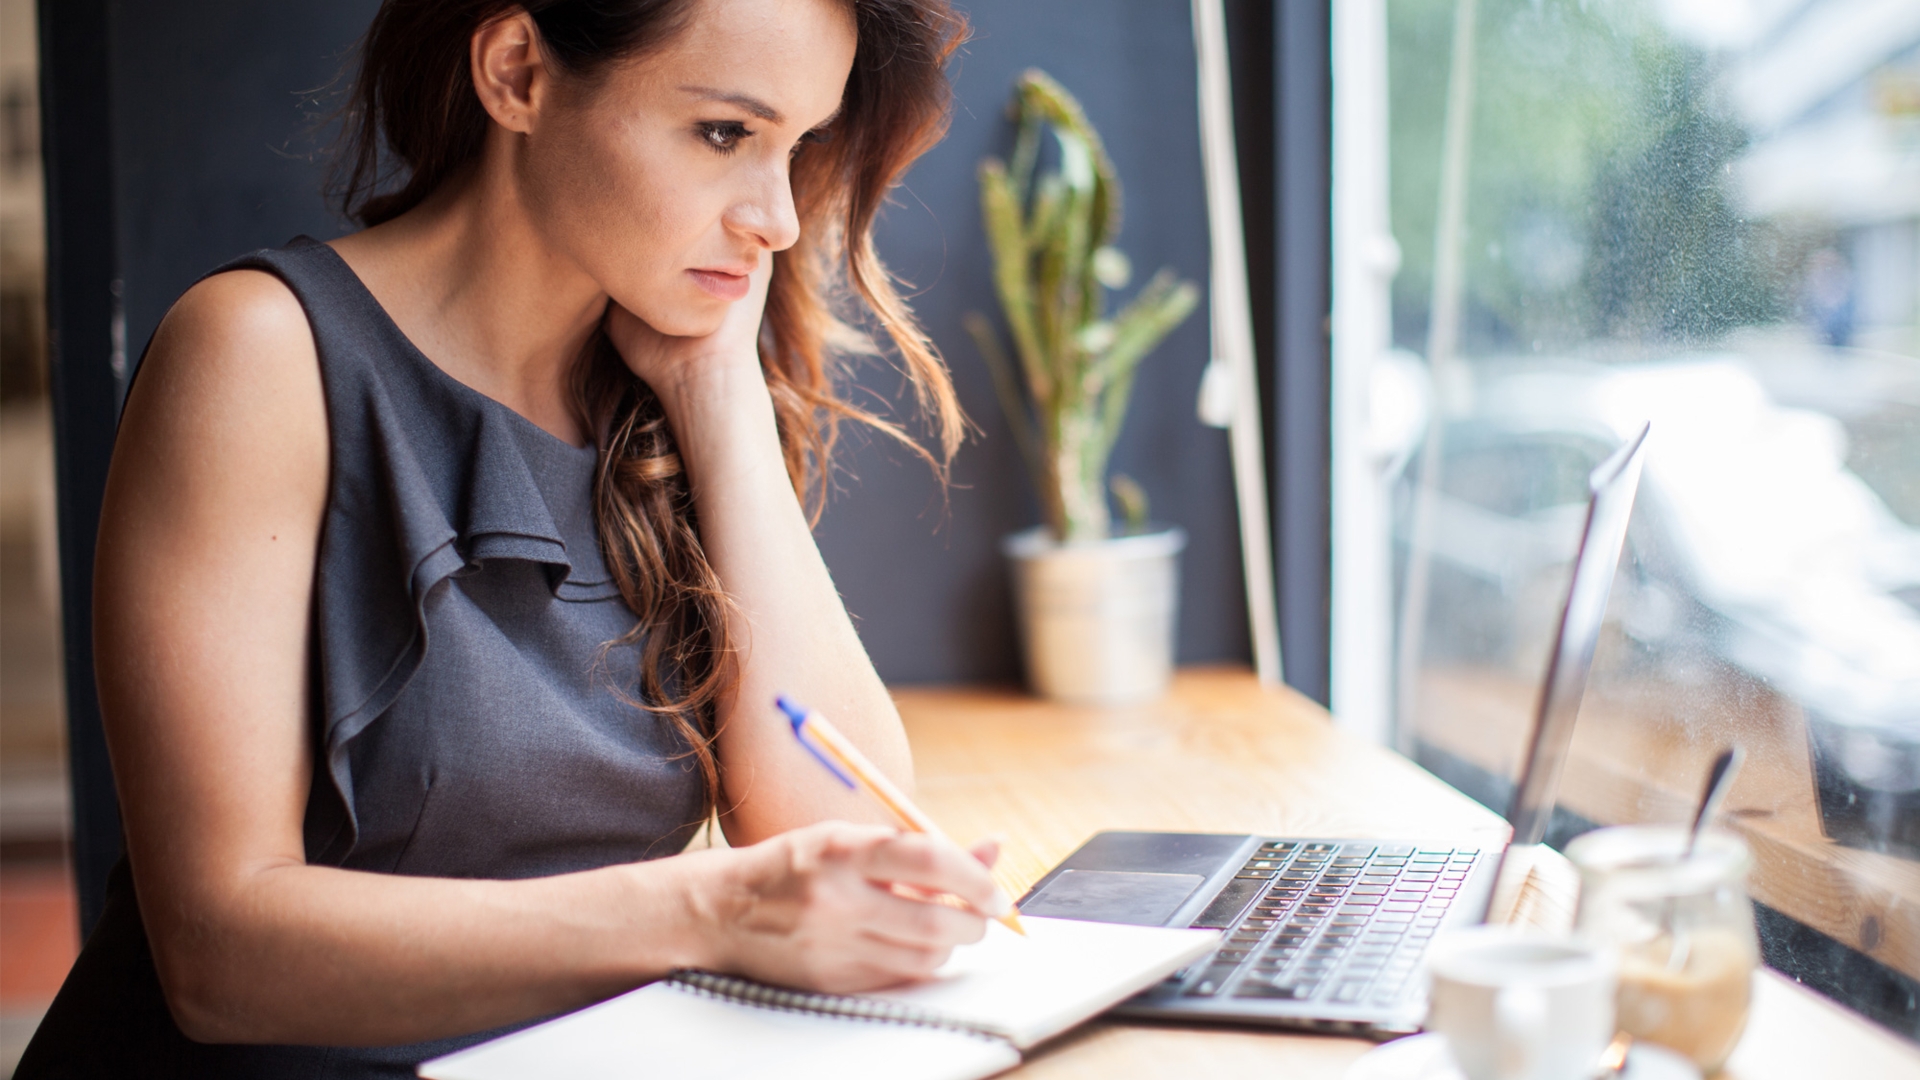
x,y
1612,487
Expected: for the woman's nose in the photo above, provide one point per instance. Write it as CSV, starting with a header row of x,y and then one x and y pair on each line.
x,y
768,214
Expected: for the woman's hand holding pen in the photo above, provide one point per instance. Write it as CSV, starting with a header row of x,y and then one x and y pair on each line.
x,y
842,908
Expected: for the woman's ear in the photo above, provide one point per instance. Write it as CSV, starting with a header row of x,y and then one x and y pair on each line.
x,y
509,72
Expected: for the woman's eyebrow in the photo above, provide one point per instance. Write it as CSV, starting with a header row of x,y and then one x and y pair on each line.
x,y
751,104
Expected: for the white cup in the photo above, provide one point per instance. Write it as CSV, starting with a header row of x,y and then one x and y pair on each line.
x,y
1520,1005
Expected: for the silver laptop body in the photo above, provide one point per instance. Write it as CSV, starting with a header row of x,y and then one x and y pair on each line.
x,y
1327,933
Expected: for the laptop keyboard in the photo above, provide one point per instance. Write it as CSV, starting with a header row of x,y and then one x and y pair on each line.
x,y
1339,922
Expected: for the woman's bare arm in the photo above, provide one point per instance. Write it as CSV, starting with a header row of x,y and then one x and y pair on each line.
x,y
204,586
792,629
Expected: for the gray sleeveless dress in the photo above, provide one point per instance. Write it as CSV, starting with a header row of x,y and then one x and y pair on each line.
x,y
467,722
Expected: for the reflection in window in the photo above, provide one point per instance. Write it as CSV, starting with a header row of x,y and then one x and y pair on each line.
x,y
1706,215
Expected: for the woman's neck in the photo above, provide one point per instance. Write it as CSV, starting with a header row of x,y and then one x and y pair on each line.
x,y
472,283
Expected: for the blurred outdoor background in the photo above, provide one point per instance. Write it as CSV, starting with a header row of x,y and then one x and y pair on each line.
x,y
39,929
1704,214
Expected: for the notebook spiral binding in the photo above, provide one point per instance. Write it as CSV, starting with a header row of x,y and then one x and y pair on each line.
x,y
759,995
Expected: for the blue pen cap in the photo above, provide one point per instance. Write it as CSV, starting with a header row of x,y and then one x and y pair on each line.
x,y
797,716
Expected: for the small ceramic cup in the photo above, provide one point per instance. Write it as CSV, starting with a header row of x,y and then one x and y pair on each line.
x,y
1521,1005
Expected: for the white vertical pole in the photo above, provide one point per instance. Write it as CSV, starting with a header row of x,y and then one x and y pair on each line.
x,y
1443,371
1232,319
1365,258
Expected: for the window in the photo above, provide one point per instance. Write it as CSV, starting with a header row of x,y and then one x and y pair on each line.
x,y
1555,219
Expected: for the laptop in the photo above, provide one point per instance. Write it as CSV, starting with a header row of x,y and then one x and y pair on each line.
x,y
1328,933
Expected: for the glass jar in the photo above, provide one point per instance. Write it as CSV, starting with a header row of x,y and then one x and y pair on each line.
x,y
1683,928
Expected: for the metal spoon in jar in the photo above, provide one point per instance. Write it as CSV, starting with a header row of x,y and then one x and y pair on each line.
x,y
1719,779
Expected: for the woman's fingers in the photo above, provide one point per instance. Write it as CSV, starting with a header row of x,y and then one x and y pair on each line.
x,y
932,865
846,907
907,875
906,920
663,361
987,850
741,327
868,963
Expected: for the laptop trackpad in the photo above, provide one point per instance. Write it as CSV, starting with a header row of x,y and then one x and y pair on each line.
x,y
1113,896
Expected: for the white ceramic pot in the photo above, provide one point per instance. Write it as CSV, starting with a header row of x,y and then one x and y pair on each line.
x,y
1097,617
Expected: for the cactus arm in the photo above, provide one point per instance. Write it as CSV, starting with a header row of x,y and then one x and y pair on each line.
x,y
1076,286
1026,156
1160,307
1053,320
1140,326
1042,97
1089,173
1006,236
1132,499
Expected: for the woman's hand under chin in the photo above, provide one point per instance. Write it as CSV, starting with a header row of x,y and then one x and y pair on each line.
x,y
684,371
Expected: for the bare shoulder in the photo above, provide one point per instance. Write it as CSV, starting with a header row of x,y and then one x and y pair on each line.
x,y
229,402
243,324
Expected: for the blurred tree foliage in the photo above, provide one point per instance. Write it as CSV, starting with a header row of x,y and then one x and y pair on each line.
x,y
1598,203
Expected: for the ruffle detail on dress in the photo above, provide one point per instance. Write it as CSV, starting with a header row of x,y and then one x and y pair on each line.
x,y
428,478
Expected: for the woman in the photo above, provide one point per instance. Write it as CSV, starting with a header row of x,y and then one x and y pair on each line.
x,y
448,571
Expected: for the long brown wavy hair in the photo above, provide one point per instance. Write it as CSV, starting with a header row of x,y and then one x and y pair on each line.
x,y
413,121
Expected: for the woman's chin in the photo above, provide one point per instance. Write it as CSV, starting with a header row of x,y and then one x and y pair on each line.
x,y
696,318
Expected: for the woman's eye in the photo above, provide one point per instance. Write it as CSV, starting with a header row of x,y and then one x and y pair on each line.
x,y
723,136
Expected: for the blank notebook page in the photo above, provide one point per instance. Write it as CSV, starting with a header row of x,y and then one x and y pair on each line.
x,y
1030,989
1026,989
663,1032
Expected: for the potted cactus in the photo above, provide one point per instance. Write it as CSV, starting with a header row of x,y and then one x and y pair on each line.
x,y
1096,603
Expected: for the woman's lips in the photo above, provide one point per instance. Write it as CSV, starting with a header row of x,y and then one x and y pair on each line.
x,y
721,284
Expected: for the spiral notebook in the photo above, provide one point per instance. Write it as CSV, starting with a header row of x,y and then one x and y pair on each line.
x,y
972,1019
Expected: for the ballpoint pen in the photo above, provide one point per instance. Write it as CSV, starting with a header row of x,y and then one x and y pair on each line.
x,y
845,761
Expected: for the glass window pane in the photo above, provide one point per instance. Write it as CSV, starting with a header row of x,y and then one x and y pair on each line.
x,y
1705,215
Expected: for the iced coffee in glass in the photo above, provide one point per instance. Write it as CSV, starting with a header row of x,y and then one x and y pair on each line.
x,y
1683,929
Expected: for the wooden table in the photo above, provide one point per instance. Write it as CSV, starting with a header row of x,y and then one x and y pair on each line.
x,y
1222,755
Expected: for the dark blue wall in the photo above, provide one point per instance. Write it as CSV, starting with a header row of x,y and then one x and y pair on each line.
x,y
214,148
926,581
215,154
